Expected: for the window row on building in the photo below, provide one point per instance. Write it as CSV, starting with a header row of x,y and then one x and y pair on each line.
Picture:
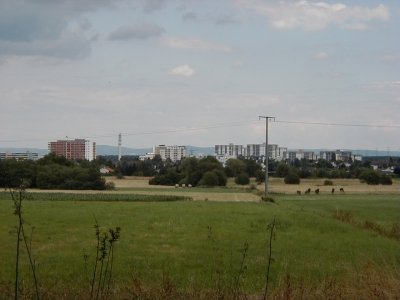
x,y
173,153
74,149
253,151
336,155
19,155
257,151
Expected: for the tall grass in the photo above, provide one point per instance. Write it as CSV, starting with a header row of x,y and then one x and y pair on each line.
x,y
100,197
197,250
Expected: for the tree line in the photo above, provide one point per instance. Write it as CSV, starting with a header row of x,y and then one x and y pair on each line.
x,y
56,172
209,172
51,172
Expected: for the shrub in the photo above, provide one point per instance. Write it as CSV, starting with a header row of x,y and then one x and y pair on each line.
x,y
369,176
385,180
242,179
209,178
110,185
328,182
222,179
260,176
292,178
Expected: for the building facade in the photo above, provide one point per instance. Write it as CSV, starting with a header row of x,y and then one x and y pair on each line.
x,y
174,153
250,151
19,155
74,149
338,155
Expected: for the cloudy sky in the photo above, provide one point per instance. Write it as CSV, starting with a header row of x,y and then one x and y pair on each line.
x,y
200,73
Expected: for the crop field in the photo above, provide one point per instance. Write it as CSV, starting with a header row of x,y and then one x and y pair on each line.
x,y
323,246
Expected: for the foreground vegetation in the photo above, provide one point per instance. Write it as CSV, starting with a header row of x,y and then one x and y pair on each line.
x,y
209,250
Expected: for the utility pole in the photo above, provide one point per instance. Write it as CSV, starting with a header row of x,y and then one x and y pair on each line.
x,y
266,151
119,146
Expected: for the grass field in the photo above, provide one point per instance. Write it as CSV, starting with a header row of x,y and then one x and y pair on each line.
x,y
201,244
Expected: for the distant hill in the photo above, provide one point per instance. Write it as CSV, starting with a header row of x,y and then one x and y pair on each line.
x,y
113,150
362,152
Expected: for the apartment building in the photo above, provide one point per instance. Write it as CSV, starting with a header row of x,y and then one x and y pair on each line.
x,y
301,154
19,155
74,149
174,153
250,151
337,155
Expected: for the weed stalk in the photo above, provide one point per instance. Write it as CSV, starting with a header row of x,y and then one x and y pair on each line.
x,y
271,228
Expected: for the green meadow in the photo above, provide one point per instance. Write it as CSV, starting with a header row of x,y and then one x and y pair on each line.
x,y
205,245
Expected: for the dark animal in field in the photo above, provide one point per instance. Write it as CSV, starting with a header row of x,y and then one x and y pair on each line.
x,y
342,190
307,191
333,191
298,192
317,191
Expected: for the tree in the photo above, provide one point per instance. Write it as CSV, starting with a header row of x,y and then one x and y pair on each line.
x,y
234,167
242,179
260,176
370,176
386,180
209,178
282,170
292,178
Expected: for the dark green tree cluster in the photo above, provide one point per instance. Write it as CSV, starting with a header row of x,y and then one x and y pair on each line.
x,y
242,169
373,177
325,169
196,172
133,166
51,172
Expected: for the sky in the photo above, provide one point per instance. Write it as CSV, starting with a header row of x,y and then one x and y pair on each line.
x,y
200,72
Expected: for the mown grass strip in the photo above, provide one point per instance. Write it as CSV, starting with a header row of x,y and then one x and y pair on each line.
x,y
99,197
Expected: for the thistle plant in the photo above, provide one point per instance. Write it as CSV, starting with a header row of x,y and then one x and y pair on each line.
x,y
103,267
19,194
271,233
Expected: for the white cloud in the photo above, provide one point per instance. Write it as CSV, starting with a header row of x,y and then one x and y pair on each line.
x,y
393,85
311,16
195,44
184,70
322,55
140,31
391,57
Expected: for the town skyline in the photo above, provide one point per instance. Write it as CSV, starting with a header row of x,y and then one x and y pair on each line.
x,y
200,73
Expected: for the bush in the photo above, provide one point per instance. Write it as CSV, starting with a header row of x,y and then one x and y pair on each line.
x,y
209,178
292,178
222,179
328,182
369,176
386,180
110,186
260,176
242,179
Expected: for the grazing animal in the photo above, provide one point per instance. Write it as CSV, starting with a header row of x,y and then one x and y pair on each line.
x,y
342,190
333,191
317,191
298,192
307,191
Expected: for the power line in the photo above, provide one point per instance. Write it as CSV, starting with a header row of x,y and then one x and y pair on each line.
x,y
339,124
214,126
